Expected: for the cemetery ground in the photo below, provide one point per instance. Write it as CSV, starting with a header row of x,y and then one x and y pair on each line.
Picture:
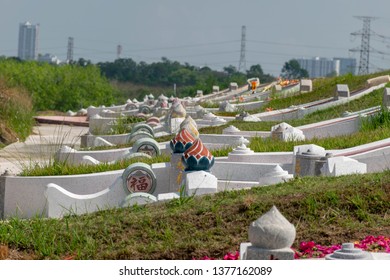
x,y
326,210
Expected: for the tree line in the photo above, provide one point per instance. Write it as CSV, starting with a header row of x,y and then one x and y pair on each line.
x,y
188,77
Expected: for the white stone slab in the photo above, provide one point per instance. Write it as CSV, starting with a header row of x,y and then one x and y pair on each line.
x,y
200,182
337,166
167,196
61,202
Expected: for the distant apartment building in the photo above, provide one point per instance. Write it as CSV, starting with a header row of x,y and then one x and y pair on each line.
x,y
322,67
28,41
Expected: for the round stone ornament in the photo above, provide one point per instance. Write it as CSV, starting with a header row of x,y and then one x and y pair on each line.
x,y
148,146
139,177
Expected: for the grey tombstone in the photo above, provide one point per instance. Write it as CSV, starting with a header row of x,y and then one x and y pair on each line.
x,y
306,85
215,89
199,93
386,97
342,90
309,163
233,86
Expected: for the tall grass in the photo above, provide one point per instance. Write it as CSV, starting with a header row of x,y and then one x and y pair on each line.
x,y
376,121
62,168
16,114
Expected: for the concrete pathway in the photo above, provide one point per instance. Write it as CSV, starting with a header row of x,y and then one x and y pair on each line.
x,y
39,147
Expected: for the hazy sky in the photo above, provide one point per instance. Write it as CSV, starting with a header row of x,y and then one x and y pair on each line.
x,y
200,32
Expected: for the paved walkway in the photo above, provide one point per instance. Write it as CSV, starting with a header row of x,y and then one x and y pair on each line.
x,y
45,140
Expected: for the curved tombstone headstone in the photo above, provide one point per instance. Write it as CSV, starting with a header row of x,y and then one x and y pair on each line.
x,y
130,106
133,137
145,109
153,119
197,157
272,231
142,127
182,141
148,146
139,178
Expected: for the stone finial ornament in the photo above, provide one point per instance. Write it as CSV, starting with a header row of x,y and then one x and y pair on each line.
x,y
178,110
191,126
197,157
272,231
182,141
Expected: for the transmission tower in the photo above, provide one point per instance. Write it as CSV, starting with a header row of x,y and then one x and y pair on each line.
x,y
365,44
242,63
118,51
69,55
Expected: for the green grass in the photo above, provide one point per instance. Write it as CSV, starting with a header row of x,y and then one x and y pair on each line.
x,y
62,168
124,124
327,210
322,88
331,143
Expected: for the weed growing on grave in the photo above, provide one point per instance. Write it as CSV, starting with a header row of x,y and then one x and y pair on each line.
x,y
62,168
379,120
182,199
124,124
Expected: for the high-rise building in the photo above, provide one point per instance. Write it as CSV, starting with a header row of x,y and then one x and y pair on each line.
x,y
322,67
347,65
28,41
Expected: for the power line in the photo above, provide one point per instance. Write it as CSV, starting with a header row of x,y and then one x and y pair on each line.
x,y
296,45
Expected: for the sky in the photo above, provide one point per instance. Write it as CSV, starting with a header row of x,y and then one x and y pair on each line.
x,y
201,32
